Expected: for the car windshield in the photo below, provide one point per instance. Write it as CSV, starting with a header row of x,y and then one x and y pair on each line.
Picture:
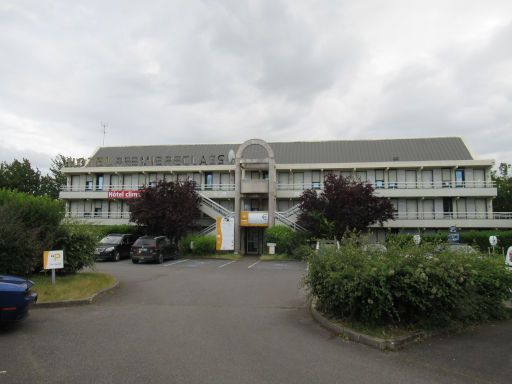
x,y
111,240
144,242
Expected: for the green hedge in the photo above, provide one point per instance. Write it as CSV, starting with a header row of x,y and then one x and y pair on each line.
x,y
78,243
286,239
409,285
203,245
28,226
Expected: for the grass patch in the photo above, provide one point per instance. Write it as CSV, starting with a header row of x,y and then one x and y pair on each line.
x,y
277,257
70,287
217,256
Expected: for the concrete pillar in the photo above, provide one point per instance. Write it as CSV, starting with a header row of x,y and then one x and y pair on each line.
x,y
238,187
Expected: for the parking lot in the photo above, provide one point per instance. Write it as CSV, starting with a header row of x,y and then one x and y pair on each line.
x,y
219,321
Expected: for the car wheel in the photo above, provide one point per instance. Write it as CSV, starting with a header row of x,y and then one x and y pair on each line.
x,y
117,256
135,261
160,259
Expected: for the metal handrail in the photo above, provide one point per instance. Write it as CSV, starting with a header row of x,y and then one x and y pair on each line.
x,y
290,223
216,206
208,229
97,215
290,211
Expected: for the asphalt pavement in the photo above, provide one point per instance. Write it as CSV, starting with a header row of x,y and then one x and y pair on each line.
x,y
216,321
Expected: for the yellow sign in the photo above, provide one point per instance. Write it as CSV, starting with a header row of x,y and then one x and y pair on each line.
x,y
253,219
53,259
225,234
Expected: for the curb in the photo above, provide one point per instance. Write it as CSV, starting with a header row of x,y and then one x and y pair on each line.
x,y
73,303
393,344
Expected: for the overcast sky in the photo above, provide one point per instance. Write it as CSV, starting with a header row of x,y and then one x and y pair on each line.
x,y
224,71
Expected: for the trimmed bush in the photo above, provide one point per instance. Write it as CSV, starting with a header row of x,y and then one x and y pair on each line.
x,y
20,248
203,245
28,226
409,285
78,243
285,238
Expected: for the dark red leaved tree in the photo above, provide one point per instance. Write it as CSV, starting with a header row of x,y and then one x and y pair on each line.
x,y
169,208
344,205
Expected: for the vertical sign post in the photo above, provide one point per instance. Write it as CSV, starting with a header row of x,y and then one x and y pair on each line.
x,y
53,260
493,240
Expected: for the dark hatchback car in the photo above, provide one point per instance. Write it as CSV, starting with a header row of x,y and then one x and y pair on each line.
x,y
115,246
15,297
152,248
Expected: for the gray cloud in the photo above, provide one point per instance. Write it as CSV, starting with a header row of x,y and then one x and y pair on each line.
x,y
224,71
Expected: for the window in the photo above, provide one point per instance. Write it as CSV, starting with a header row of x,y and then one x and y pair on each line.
x,y
394,203
392,177
459,178
208,180
410,179
298,180
361,176
315,180
88,185
447,207
283,180
447,178
99,182
379,179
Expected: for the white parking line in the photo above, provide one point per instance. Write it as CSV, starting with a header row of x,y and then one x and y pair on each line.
x,y
174,262
252,265
223,265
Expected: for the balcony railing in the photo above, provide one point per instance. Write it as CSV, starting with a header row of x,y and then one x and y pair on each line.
x,y
98,215
129,187
397,185
452,215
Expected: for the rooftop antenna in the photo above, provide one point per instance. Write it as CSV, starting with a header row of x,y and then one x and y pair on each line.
x,y
104,125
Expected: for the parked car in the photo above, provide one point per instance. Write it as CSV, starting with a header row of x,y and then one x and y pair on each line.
x,y
115,246
152,248
15,297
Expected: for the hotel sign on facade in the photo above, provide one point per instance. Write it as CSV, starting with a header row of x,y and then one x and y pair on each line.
x,y
111,195
131,161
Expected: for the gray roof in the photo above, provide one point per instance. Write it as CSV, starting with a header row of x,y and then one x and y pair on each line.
x,y
336,151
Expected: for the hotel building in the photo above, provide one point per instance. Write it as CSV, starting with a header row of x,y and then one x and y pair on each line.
x,y
433,183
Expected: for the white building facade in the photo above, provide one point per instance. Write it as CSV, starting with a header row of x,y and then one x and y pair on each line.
x,y
433,183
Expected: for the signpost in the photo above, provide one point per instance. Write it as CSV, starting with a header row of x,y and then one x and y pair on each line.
x,y
53,260
453,235
493,240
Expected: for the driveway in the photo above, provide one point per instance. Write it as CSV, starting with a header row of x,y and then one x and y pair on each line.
x,y
214,321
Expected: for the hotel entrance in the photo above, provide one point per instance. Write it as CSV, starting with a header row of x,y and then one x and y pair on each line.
x,y
253,241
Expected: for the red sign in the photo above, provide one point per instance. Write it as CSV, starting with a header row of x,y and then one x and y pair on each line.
x,y
123,194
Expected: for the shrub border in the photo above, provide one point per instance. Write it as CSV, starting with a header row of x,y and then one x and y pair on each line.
x,y
391,344
72,303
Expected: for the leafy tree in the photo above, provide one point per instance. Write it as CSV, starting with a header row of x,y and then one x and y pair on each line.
x,y
20,176
503,179
169,208
344,205
28,226
51,183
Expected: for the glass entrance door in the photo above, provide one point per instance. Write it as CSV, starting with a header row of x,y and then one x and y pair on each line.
x,y
252,241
